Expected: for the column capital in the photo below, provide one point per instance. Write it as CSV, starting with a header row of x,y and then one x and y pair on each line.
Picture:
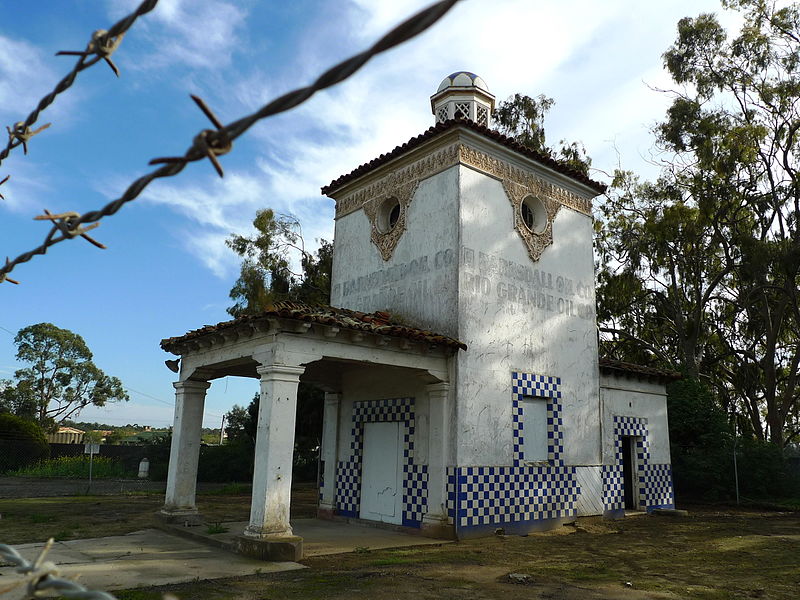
x,y
333,397
280,372
192,385
438,390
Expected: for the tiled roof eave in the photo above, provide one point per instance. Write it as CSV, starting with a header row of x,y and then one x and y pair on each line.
x,y
626,369
442,128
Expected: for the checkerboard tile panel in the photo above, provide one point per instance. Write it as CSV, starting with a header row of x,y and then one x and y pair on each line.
x,y
657,484
613,491
479,496
655,480
502,495
415,476
415,494
543,386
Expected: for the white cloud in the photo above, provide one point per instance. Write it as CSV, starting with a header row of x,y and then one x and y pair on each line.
x,y
595,66
201,34
26,75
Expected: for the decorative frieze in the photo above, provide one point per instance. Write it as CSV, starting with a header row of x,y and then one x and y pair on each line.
x,y
402,184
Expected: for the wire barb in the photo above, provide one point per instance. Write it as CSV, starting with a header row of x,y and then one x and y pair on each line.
x,y
69,224
7,177
101,44
208,143
23,133
42,577
113,36
4,274
212,143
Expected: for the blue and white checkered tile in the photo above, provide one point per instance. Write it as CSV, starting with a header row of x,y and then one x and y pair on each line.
x,y
501,496
415,494
543,386
613,491
415,477
655,481
348,486
657,485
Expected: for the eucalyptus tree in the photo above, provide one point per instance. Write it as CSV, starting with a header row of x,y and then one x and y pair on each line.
x,y
266,273
718,260
59,379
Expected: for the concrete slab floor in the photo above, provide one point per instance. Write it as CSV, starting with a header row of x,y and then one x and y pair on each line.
x,y
320,536
139,559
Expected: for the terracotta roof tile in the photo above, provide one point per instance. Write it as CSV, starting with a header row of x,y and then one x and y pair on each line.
x,y
485,131
617,367
377,322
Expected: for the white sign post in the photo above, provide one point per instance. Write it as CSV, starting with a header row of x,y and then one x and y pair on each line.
x,y
91,450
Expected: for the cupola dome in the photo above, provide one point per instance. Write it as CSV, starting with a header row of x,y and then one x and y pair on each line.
x,y
463,95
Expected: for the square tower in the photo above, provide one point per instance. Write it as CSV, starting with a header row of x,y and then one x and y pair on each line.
x,y
466,232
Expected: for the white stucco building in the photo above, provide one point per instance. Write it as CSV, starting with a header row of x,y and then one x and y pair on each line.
x,y
504,418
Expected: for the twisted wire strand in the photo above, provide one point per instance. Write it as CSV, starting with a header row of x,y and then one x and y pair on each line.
x,y
199,149
84,62
42,577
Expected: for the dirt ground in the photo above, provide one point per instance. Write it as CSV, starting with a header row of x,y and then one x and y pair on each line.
x,y
712,554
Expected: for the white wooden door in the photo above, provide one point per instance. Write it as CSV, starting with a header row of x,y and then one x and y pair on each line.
x,y
381,470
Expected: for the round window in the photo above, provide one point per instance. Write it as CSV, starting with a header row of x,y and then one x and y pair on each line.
x,y
388,215
533,214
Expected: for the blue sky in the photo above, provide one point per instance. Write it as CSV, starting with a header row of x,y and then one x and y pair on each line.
x,y
166,269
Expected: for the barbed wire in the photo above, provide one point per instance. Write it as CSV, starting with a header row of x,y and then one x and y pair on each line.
x,y
100,47
42,576
211,143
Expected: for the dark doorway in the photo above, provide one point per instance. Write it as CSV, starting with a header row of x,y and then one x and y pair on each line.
x,y
627,472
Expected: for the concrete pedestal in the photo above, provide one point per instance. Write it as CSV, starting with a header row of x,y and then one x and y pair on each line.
x,y
271,548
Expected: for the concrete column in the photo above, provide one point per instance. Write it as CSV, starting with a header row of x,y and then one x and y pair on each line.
x,y
435,520
272,478
330,442
184,453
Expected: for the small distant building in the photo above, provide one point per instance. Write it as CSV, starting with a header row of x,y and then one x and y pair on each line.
x,y
66,435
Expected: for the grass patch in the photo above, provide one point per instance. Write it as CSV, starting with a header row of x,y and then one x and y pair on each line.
x,y
229,489
36,518
75,467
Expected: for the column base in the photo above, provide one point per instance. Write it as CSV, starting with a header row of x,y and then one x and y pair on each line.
x,y
188,517
270,548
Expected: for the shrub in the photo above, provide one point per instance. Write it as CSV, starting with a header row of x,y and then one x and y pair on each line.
x,y
702,446
77,467
22,442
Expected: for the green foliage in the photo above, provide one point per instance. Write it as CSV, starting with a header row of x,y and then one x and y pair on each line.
x,y
226,463
522,118
699,271
242,428
265,275
60,378
702,445
76,467
21,442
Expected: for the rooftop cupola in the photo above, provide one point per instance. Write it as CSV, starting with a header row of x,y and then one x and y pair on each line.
x,y
463,95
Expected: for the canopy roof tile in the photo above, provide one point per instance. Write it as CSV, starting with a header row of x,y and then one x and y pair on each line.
x,y
378,322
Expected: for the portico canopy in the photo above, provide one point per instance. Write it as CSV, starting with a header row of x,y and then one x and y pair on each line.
x,y
281,346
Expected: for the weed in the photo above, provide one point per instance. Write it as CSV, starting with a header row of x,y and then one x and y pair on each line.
x,y
216,528
361,550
